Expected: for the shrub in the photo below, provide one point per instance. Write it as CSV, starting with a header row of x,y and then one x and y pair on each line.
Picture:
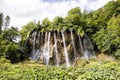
x,y
117,54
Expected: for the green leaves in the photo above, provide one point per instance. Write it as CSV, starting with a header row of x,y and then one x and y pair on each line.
x,y
108,40
29,72
117,54
25,29
73,16
1,22
11,52
11,33
46,23
75,10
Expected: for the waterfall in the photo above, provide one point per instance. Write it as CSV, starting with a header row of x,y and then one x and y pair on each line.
x,y
60,48
46,52
65,51
38,40
72,38
34,44
27,38
45,47
37,53
88,48
81,46
56,50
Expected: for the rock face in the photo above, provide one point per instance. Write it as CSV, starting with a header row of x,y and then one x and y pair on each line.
x,y
58,48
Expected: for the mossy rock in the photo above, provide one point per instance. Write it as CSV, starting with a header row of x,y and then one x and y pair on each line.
x,y
92,64
81,62
92,60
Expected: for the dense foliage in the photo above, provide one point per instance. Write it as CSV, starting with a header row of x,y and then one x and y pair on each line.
x,y
107,38
31,71
9,46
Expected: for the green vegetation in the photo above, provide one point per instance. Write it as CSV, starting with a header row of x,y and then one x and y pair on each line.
x,y
9,48
102,26
107,70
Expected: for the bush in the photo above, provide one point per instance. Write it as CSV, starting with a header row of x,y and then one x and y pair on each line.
x,y
13,53
4,60
110,71
117,54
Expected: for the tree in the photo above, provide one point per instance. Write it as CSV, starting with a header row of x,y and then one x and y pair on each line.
x,y
108,40
75,10
7,21
1,22
46,25
73,17
13,53
27,28
11,34
58,20
38,24
3,44
46,22
114,29
58,23
1,48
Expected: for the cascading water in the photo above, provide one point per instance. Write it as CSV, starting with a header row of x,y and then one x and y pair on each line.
x,y
45,48
65,51
27,38
45,43
38,40
37,52
88,48
72,38
81,46
34,45
56,50
37,55
86,52
46,52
